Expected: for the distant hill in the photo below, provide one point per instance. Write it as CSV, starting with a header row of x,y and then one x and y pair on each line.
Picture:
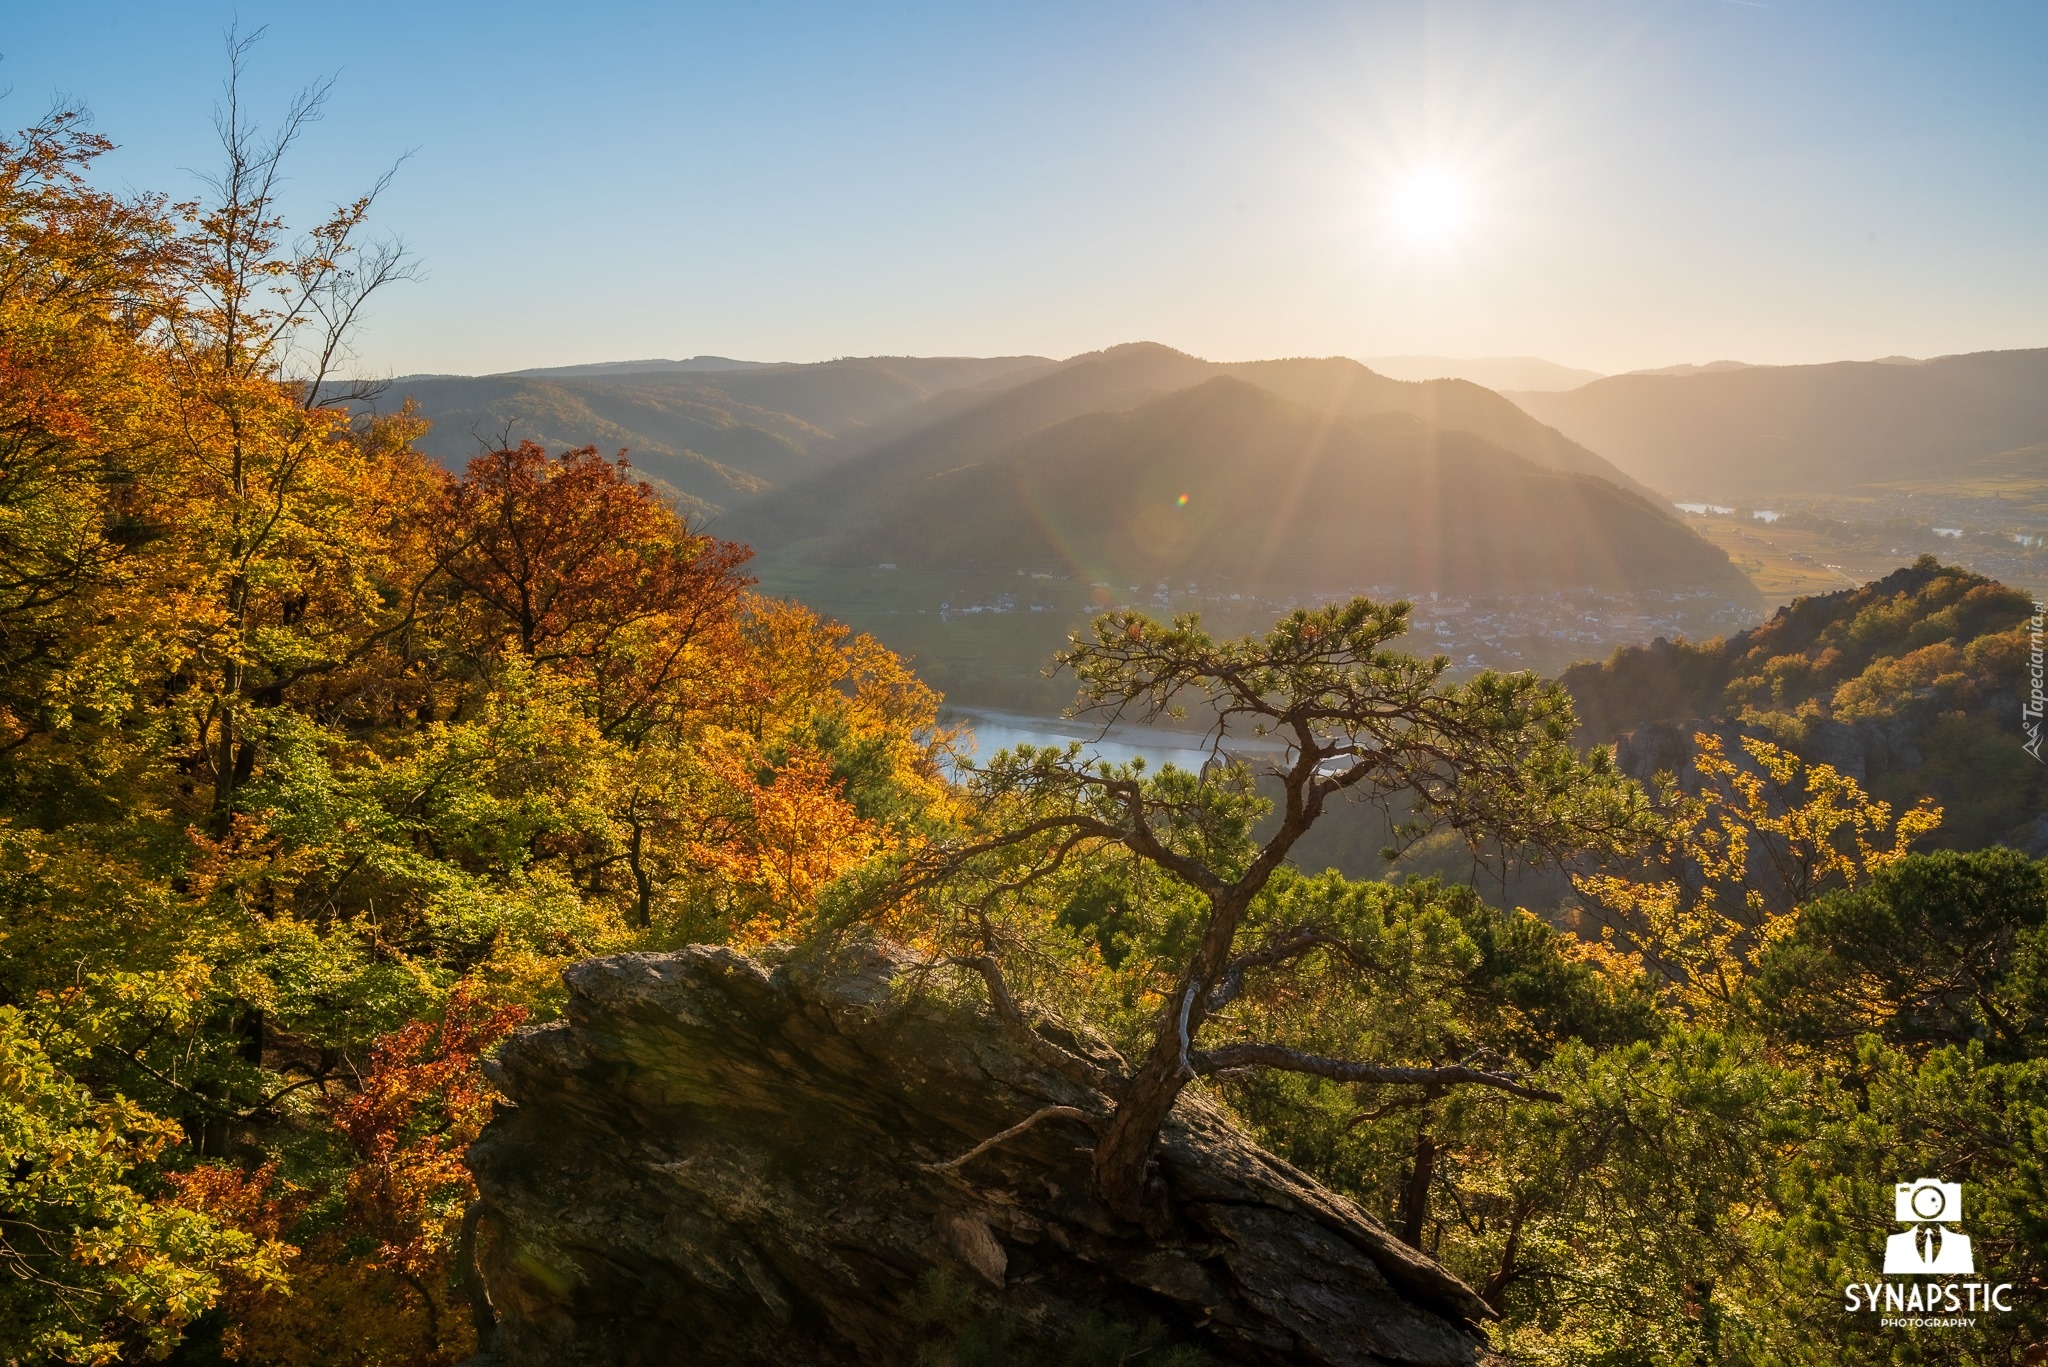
x,y
720,433
715,439
1909,684
963,427
695,365
1710,368
1348,389
1227,483
1495,372
1762,432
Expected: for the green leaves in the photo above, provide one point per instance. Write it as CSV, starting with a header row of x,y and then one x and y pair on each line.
x,y
1491,757
1942,949
94,1268
1326,662
1701,1195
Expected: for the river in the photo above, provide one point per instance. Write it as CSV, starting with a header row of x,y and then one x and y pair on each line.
x,y
995,730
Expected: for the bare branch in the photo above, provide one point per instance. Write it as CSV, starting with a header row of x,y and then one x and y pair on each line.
x,y
338,297
1295,943
1060,1058
1042,1113
1234,1056
1187,1006
998,990
1387,1108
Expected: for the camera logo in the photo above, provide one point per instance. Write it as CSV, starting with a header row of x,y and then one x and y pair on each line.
x,y
1929,1206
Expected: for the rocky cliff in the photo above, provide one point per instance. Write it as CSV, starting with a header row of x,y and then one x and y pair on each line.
x,y
717,1159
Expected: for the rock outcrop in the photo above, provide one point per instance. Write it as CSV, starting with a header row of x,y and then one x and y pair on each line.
x,y
714,1159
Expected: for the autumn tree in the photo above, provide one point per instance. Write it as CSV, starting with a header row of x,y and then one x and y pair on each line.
x,y
1755,839
277,584
94,1269
383,1237
1490,757
299,731
582,570
81,279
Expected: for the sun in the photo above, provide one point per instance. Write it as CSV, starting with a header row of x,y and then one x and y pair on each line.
x,y
1430,206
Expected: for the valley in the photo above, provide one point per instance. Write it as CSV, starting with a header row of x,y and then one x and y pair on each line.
x,y
641,722
1013,498
1866,464
973,513
1802,551
985,639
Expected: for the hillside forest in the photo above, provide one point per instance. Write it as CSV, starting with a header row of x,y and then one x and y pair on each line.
x,y
320,760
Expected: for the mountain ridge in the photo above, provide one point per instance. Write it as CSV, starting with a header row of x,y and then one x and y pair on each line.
x,y
1498,373
712,440
717,439
1816,430
655,366
1126,376
1228,482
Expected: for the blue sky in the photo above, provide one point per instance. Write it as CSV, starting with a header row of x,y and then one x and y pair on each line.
x,y
1650,181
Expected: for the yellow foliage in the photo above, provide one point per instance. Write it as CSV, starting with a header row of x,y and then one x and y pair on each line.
x,y
1758,842
297,729
1879,689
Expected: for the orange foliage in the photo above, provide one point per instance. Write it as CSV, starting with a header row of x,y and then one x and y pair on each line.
x,y
777,837
586,570
285,703
421,1103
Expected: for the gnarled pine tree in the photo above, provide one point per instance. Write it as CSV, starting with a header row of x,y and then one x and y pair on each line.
x,y
1490,757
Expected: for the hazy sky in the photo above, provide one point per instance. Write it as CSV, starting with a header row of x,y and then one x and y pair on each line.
x,y
1649,181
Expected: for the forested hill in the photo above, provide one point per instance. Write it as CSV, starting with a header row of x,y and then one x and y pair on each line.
x,y
959,429
711,439
720,439
1770,431
1910,684
1229,484
1347,389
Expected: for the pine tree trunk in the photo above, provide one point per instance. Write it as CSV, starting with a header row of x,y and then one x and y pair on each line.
x,y
1415,1209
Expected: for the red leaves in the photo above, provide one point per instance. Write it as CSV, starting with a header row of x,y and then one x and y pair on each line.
x,y
426,1061
255,1202
584,569
566,553
421,1103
